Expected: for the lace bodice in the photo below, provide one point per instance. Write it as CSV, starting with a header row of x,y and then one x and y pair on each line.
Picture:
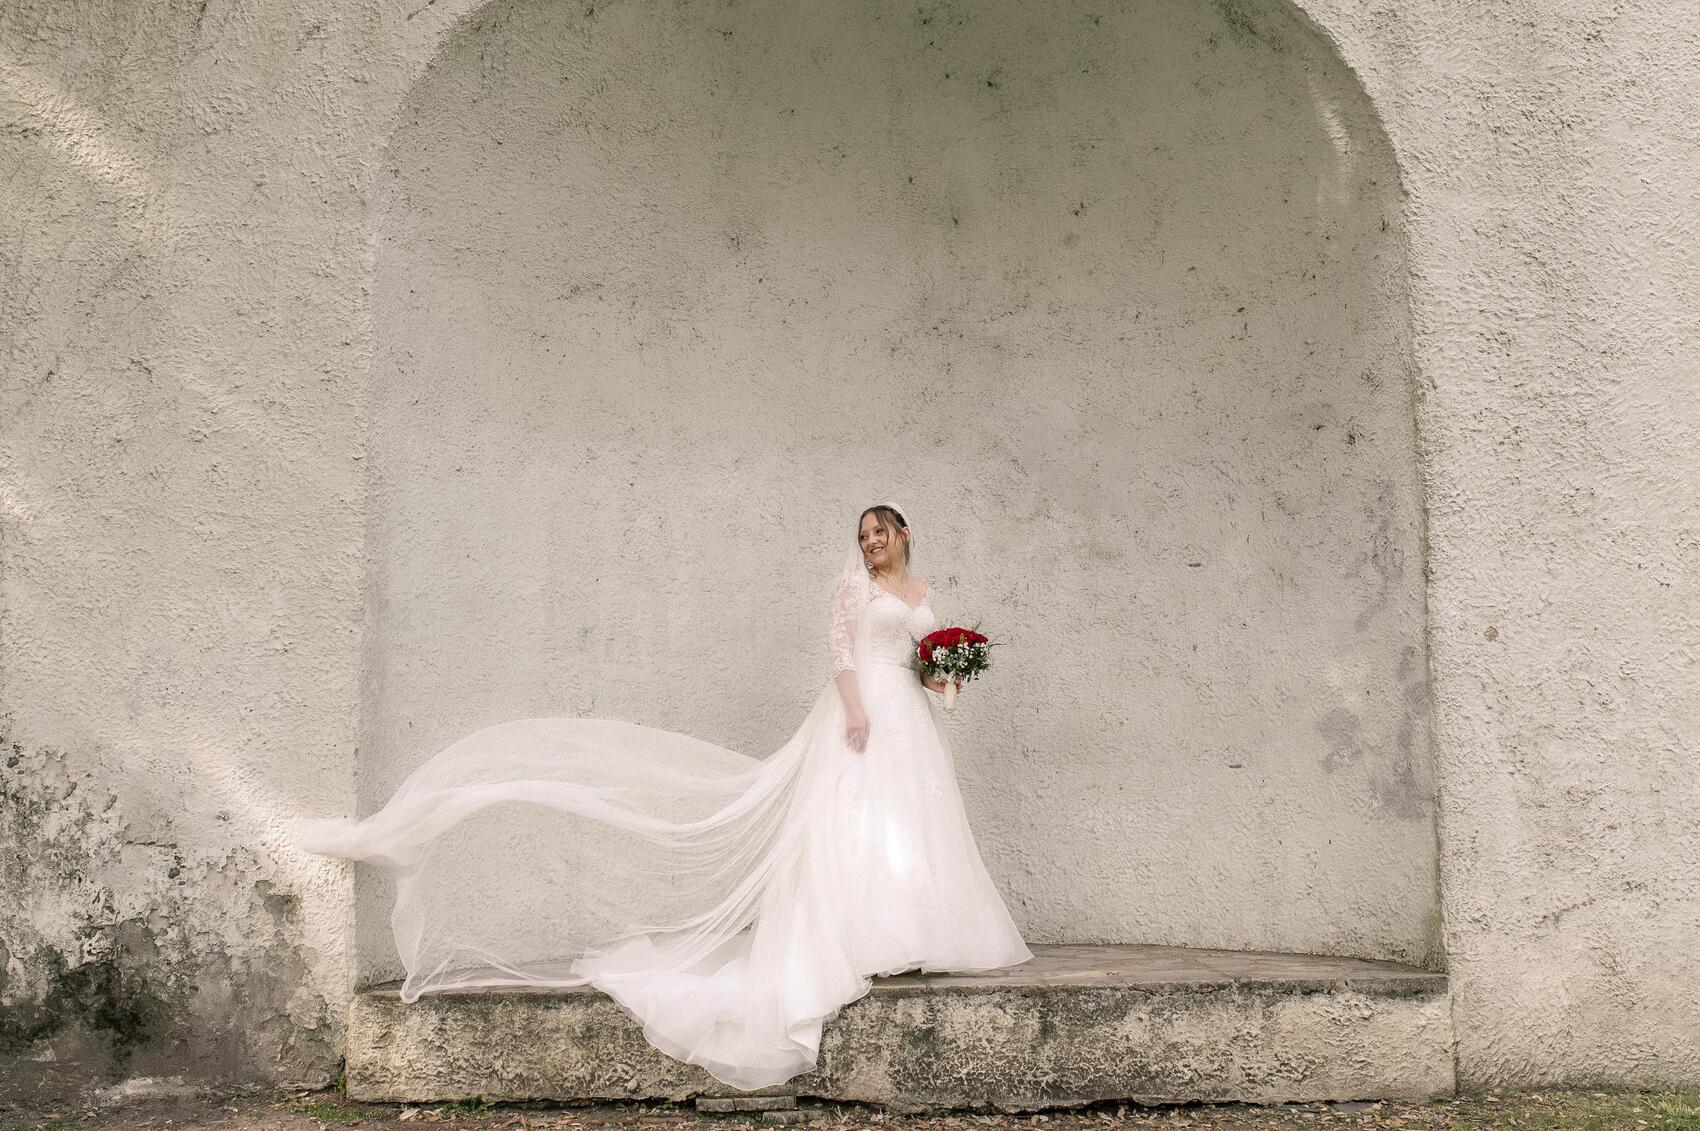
x,y
893,627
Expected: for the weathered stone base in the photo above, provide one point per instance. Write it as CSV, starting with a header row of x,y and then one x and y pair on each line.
x,y
1075,1025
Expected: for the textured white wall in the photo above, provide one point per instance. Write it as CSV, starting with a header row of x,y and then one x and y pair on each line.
x,y
1114,303
188,340
184,348
1550,161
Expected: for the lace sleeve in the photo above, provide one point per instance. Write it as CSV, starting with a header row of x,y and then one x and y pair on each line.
x,y
842,628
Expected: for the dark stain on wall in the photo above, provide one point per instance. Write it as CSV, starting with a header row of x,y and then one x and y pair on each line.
x,y
121,955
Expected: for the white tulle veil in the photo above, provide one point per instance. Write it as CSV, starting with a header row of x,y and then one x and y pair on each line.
x,y
548,851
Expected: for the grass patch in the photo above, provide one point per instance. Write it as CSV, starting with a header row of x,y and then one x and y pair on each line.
x,y
1581,1111
477,1105
334,1113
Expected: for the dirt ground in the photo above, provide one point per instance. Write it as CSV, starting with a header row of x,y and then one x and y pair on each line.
x,y
329,1110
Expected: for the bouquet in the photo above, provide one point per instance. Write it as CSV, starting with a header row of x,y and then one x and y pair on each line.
x,y
953,654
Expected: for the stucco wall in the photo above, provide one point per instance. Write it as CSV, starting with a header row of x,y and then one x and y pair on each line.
x,y
185,352
1550,169
188,341
1115,305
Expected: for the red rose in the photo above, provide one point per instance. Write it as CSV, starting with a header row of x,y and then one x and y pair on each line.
x,y
948,638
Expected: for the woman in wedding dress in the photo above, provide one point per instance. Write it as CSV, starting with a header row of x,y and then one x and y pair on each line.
x,y
730,905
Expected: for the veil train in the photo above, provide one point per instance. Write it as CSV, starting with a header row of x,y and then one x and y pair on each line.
x,y
699,887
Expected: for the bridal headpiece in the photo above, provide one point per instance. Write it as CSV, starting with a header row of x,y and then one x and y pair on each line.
x,y
903,520
903,514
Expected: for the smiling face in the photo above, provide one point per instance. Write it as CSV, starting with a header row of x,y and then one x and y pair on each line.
x,y
884,546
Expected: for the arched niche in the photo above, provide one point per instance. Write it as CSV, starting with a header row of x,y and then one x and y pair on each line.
x,y
1113,295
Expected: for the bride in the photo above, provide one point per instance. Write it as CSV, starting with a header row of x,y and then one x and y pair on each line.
x,y
730,905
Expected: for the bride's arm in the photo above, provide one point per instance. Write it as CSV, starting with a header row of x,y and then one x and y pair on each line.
x,y
848,691
839,638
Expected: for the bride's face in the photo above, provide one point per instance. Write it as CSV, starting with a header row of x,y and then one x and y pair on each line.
x,y
881,548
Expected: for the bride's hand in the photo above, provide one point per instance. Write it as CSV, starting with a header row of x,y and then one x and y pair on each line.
x,y
856,729
934,683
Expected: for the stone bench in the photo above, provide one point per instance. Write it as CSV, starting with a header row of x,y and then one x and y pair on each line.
x,y
1077,1024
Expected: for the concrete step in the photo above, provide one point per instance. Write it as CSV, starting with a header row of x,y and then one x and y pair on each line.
x,y
1075,1025
794,1115
721,1105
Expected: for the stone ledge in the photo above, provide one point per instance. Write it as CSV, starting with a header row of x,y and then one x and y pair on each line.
x,y
721,1105
1075,1025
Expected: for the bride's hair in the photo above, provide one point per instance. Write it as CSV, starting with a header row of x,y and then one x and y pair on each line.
x,y
890,521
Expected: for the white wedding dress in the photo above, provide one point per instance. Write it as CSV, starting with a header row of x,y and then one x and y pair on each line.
x,y
730,905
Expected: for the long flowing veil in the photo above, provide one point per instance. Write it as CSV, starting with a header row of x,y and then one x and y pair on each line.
x,y
558,851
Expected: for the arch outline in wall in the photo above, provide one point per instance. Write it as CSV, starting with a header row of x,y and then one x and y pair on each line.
x,y
453,18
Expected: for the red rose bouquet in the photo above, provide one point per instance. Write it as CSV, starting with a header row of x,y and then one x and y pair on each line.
x,y
954,655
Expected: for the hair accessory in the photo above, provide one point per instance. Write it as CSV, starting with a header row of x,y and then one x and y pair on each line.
x,y
904,515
